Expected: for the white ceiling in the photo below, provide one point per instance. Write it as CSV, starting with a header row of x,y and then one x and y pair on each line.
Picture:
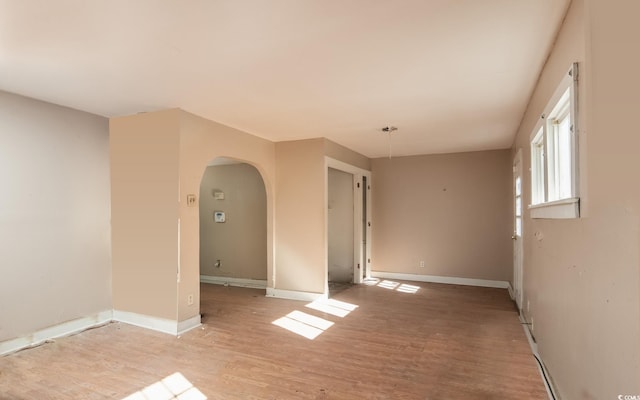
x,y
452,75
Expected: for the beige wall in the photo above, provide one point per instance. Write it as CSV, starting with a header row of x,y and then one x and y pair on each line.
x,y
158,159
301,257
448,210
341,153
582,276
201,141
240,243
144,204
301,225
55,250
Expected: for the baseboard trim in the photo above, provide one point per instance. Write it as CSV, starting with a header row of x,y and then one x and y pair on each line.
x,y
80,324
56,331
441,279
146,321
541,368
188,324
511,292
156,324
239,282
295,295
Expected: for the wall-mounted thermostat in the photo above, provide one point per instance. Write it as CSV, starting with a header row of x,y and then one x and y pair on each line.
x,y
218,195
219,216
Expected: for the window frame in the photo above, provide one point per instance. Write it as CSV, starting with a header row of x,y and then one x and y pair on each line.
x,y
547,167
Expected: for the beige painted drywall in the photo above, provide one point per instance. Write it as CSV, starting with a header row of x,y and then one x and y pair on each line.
x,y
448,210
340,227
341,153
201,141
301,225
240,243
301,257
144,206
582,276
55,254
159,159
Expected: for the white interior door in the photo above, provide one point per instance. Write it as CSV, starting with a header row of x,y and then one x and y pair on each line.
x,y
517,228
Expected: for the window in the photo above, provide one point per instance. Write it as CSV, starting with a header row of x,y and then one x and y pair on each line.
x,y
518,206
554,189
537,167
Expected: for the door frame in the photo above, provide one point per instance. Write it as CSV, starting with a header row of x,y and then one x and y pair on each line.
x,y
361,254
518,243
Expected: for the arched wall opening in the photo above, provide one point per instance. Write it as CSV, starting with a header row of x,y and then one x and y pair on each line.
x,y
202,141
233,224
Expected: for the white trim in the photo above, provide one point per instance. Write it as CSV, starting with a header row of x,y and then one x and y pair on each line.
x,y
343,166
146,321
295,295
511,293
517,292
534,350
559,209
441,279
188,324
358,250
239,282
156,324
56,331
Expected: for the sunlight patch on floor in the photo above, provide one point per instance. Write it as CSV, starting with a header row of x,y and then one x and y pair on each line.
x,y
404,288
334,307
172,387
398,287
310,326
303,324
388,284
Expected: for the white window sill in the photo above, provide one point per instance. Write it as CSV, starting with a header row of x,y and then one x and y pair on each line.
x,y
560,209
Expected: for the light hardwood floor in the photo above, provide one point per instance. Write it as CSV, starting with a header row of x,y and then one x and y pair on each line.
x,y
441,342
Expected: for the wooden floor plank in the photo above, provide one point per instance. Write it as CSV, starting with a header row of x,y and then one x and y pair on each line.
x,y
441,342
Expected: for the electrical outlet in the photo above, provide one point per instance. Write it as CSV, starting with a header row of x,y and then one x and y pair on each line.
x,y
190,300
421,264
532,324
528,306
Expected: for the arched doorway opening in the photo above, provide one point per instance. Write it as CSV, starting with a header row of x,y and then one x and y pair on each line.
x,y
233,225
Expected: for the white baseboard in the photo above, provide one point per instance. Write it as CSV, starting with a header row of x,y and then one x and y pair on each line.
x,y
154,323
541,368
511,292
81,324
188,324
56,331
239,282
295,295
146,321
441,279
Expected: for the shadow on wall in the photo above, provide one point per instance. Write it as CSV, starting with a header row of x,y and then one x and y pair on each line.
x,y
233,221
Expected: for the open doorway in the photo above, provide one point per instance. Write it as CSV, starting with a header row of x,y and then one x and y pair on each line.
x,y
348,225
233,225
340,230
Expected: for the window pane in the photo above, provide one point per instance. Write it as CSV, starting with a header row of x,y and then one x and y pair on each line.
x,y
518,226
518,206
564,158
518,186
537,168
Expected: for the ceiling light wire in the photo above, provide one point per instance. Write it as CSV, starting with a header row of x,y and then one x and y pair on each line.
x,y
389,130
